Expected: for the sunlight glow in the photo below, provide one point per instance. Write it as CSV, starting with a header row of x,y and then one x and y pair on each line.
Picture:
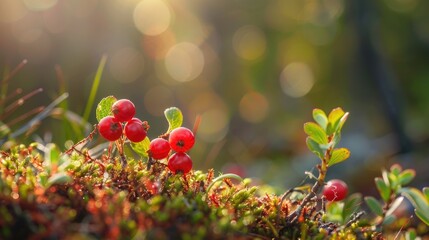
x,y
184,62
296,79
152,17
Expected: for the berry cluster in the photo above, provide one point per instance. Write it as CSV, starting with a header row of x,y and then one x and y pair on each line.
x,y
123,122
180,140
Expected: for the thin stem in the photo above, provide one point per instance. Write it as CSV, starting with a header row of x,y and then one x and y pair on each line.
x,y
323,168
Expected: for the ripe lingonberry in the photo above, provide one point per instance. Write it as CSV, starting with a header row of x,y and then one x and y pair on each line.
x,y
159,148
181,139
123,110
110,128
180,162
335,190
134,130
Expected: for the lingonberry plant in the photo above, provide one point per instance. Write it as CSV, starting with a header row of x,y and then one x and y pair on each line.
x,y
159,196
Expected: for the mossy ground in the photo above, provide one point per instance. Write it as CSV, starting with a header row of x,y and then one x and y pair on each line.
x,y
51,195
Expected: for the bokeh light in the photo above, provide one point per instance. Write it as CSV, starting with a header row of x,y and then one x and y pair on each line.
x,y
152,17
296,79
214,125
12,10
126,65
249,42
253,107
184,62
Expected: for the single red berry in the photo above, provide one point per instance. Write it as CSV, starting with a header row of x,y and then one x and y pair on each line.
x,y
335,190
134,130
181,139
123,110
159,148
110,128
180,162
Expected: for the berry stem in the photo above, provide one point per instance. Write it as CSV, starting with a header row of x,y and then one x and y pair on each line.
x,y
323,168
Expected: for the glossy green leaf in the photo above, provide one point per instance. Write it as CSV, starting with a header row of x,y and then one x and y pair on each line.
x,y
417,199
104,107
315,132
351,205
396,169
320,117
334,120
315,147
426,192
424,216
174,117
141,147
383,189
59,178
336,139
339,155
406,176
374,205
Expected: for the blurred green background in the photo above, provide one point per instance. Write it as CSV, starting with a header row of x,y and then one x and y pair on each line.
x,y
253,70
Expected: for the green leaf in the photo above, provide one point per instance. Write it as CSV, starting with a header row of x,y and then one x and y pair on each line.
x,y
351,205
417,199
334,120
406,176
315,147
383,189
411,234
320,117
104,107
316,132
424,216
396,169
141,147
426,192
59,178
174,117
339,155
374,205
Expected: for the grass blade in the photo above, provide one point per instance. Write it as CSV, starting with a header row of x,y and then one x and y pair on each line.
x,y
94,88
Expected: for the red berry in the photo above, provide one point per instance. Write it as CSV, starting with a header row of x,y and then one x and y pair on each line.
x,y
123,110
159,148
134,130
335,190
181,139
110,128
180,162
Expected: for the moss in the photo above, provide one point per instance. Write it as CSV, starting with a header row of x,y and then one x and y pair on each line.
x,y
101,199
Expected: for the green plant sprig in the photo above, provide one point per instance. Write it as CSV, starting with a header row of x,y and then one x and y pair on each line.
x,y
323,135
